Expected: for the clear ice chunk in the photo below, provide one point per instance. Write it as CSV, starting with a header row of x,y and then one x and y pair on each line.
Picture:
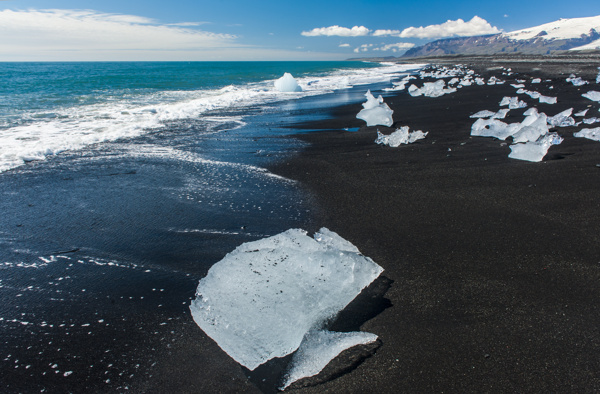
x,y
400,136
534,151
592,95
562,119
513,102
431,89
320,347
261,300
576,81
287,83
591,134
375,111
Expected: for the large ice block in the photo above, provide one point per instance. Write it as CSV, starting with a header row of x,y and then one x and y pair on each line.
x,y
261,300
375,111
287,83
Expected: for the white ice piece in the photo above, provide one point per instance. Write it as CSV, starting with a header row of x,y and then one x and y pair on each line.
x,y
536,80
534,151
533,127
582,113
431,89
320,347
562,119
592,95
287,83
598,77
591,120
513,102
576,81
494,128
591,134
501,114
538,96
375,111
400,136
261,300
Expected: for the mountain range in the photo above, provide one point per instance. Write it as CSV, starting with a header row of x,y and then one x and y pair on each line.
x,y
562,36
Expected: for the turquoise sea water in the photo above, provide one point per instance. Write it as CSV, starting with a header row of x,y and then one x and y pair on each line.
x,y
120,185
47,108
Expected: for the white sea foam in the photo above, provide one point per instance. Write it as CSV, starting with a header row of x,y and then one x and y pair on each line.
x,y
41,134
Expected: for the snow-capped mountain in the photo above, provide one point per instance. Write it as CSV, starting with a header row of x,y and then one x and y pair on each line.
x,y
575,34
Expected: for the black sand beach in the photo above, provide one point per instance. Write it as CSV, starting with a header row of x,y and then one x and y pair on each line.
x,y
495,262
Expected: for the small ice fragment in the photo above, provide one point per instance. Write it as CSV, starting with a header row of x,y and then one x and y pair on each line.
x,y
375,111
548,100
576,81
536,80
517,85
400,136
591,134
318,348
591,120
562,119
513,102
287,83
598,77
483,114
534,151
592,95
431,89
260,300
582,113
494,128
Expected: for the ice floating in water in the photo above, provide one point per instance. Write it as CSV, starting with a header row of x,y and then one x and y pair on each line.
x,y
287,83
534,151
592,95
400,136
513,102
263,298
375,111
576,81
591,134
320,347
431,89
562,119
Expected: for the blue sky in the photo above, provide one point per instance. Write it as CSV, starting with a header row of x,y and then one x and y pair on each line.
x,y
255,30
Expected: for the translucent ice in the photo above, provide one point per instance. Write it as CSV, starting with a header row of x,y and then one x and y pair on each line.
x,y
576,81
582,113
536,80
431,89
400,136
533,127
534,151
320,347
592,95
489,114
562,119
494,128
592,134
513,102
287,83
261,300
538,96
591,120
375,111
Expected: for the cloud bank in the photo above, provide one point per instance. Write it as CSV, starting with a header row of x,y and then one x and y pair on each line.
x,y
459,28
335,30
475,27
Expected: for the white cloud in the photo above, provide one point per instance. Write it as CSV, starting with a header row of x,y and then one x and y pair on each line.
x,y
344,45
356,31
87,33
380,33
474,27
397,47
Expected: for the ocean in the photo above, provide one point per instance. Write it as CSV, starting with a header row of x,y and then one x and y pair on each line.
x,y
121,184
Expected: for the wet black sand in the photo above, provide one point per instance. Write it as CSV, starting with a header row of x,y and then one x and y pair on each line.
x,y
495,262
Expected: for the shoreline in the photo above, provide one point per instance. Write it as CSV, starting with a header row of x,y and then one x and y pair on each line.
x,y
493,260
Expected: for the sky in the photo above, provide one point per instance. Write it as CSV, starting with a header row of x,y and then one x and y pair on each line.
x,y
136,30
